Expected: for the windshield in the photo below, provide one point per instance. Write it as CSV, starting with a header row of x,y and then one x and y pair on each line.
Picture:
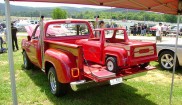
x,y
67,29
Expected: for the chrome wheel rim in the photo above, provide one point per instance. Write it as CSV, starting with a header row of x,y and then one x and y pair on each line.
x,y
110,65
167,61
52,80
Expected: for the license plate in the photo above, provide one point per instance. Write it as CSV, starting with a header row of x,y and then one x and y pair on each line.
x,y
116,81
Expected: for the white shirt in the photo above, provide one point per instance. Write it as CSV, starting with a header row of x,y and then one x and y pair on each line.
x,y
164,28
158,31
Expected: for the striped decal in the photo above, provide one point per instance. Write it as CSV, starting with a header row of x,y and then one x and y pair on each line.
x,y
143,51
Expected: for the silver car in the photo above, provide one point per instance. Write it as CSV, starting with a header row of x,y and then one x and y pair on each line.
x,y
173,31
166,51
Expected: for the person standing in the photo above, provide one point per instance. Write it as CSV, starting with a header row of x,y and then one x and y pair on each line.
x,y
139,29
142,30
159,33
134,30
101,24
145,29
14,37
164,29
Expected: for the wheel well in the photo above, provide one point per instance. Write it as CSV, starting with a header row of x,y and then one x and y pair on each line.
x,y
48,65
164,50
110,56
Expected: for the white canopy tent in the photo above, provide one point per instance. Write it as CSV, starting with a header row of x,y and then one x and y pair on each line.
x,y
164,6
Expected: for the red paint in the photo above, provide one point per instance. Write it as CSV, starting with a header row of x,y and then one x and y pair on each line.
x,y
65,53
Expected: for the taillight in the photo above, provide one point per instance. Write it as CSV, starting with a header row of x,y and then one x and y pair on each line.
x,y
75,72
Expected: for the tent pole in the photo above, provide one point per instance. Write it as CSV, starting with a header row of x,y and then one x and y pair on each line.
x,y
10,52
174,62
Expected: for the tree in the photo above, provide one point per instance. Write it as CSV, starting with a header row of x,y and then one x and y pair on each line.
x,y
59,14
170,18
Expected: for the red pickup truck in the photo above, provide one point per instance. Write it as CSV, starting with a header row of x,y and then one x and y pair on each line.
x,y
72,54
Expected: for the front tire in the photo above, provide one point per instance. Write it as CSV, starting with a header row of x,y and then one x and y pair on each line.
x,y
111,64
26,62
166,60
57,88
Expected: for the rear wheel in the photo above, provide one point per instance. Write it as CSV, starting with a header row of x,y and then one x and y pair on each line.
x,y
143,65
166,60
111,64
26,62
57,88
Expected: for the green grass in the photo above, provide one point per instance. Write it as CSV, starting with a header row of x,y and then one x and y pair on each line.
x,y
33,89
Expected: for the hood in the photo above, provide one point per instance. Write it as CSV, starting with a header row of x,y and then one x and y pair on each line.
x,y
30,29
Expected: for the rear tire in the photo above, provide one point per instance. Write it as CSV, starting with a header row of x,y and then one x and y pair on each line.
x,y
57,88
111,64
143,65
26,62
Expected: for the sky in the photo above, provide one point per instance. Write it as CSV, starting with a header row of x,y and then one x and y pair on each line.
x,y
39,4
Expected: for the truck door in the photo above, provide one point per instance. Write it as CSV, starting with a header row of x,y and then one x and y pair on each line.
x,y
34,50
93,48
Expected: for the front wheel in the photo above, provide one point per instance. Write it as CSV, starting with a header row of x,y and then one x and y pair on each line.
x,y
166,60
26,62
111,64
57,88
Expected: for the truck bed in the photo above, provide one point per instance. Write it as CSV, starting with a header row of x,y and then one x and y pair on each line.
x,y
67,39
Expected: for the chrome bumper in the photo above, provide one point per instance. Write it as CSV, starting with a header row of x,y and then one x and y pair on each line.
x,y
83,84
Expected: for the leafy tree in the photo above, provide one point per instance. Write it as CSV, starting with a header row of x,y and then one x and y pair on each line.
x,y
169,18
59,14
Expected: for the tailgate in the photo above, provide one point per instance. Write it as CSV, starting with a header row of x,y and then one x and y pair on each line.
x,y
143,53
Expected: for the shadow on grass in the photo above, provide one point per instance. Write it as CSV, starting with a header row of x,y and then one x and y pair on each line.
x,y
177,71
104,95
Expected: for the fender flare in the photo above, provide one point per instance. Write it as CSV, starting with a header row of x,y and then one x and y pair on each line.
x,y
62,62
120,53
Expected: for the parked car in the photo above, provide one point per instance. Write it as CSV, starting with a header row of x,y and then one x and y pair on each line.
x,y
166,51
173,31
20,25
153,30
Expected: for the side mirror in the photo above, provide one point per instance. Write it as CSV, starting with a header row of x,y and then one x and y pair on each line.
x,y
29,38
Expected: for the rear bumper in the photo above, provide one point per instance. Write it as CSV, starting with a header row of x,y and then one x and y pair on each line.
x,y
83,84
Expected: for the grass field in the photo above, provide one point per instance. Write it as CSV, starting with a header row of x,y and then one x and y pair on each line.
x,y
33,89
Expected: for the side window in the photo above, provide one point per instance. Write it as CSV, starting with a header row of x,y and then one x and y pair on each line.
x,y
36,33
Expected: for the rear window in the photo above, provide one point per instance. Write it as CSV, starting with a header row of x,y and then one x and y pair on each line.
x,y
67,29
